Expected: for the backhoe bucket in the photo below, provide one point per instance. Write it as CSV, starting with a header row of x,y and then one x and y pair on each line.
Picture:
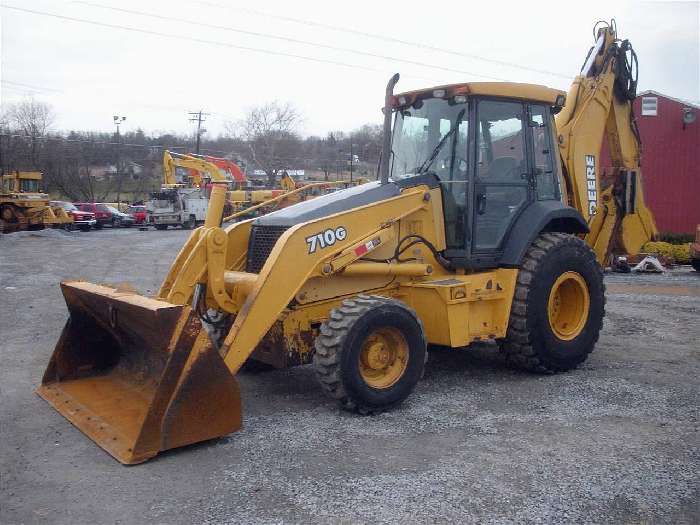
x,y
138,375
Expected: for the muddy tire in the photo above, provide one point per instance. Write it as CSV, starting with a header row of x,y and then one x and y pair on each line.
x,y
370,353
558,307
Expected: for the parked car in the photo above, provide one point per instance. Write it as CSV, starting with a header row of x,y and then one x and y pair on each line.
x,y
81,219
121,219
138,212
102,215
106,215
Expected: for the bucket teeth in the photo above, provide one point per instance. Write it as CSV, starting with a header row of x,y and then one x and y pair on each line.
x,y
138,375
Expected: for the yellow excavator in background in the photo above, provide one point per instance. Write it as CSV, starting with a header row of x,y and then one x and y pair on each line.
x,y
484,226
24,206
183,203
198,170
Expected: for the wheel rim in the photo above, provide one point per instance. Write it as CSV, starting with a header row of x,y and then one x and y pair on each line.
x,y
568,306
383,357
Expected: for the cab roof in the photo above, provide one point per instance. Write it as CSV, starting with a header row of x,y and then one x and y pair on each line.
x,y
514,90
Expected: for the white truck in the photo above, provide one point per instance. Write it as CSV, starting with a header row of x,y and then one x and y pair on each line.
x,y
180,206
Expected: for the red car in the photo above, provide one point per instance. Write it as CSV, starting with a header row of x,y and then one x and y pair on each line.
x,y
138,212
101,212
82,219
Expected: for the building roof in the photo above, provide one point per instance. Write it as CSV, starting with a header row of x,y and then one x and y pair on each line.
x,y
648,92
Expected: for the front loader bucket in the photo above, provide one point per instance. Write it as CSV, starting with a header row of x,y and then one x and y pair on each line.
x,y
138,375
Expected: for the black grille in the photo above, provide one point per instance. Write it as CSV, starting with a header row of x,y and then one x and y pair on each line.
x,y
262,240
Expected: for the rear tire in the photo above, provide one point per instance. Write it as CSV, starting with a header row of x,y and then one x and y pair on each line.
x,y
161,226
695,263
189,223
370,353
558,306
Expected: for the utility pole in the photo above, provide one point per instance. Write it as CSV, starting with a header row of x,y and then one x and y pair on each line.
x,y
117,121
352,158
198,117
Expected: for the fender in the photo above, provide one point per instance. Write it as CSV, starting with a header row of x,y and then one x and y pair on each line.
x,y
538,217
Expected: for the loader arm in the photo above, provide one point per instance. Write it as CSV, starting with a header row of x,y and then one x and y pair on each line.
x,y
292,262
257,300
598,107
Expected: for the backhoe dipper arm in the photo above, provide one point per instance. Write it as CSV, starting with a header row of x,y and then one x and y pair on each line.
x,y
599,104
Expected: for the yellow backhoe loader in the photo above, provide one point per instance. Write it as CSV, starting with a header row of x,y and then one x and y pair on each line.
x,y
24,206
474,232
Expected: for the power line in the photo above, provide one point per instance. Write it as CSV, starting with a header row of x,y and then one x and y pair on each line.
x,y
30,86
287,39
199,40
312,23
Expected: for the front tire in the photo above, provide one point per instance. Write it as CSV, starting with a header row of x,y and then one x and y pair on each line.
x,y
370,354
558,306
161,226
695,263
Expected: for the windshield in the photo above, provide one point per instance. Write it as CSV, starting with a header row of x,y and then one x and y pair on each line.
x,y
431,136
29,186
113,209
68,206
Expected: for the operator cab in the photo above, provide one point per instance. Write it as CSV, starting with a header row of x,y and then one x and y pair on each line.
x,y
491,148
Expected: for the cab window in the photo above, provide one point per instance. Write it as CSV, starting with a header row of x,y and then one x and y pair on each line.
x,y
501,154
430,137
501,186
540,131
29,186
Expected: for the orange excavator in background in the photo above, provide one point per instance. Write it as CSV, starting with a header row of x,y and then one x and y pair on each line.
x,y
229,169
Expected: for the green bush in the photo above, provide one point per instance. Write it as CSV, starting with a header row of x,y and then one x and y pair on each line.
x,y
680,253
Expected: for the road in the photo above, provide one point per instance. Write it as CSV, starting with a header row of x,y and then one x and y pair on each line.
x,y
615,441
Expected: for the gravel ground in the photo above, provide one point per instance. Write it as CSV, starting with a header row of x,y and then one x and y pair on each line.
x,y
614,441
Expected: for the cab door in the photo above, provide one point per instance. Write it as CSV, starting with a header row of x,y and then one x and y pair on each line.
x,y
502,176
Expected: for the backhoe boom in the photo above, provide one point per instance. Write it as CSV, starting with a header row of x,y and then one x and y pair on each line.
x,y
598,107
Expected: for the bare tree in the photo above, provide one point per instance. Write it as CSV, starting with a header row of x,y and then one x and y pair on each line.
x,y
32,118
271,133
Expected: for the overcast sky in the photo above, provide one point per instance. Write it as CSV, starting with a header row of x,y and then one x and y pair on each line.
x,y
162,67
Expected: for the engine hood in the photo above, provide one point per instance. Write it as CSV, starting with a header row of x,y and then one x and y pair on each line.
x,y
330,204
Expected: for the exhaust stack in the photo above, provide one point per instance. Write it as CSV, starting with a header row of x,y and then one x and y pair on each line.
x,y
386,136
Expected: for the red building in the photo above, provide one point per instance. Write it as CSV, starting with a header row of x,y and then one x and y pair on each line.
x,y
670,132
